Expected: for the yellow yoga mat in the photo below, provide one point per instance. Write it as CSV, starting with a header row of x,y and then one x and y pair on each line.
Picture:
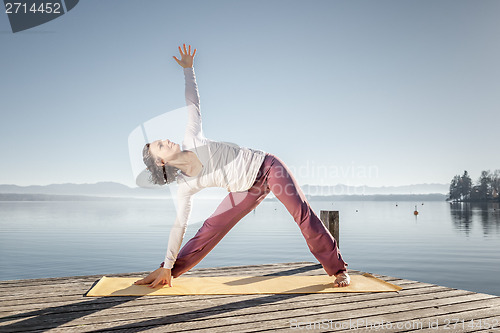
x,y
232,285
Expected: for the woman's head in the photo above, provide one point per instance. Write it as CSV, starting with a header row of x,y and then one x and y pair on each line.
x,y
156,156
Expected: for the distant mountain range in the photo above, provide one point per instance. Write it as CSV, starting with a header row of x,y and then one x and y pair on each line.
x,y
101,189
117,190
317,190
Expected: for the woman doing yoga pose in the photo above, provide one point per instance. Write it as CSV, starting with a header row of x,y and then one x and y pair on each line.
x,y
248,174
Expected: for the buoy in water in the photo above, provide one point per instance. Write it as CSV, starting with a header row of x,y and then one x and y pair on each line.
x,y
416,211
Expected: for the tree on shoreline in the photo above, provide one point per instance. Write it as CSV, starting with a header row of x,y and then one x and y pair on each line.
x,y
495,183
487,187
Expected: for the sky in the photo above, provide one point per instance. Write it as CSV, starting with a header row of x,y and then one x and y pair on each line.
x,y
377,93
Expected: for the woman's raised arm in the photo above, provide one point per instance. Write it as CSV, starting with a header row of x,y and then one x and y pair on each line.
x,y
194,125
192,95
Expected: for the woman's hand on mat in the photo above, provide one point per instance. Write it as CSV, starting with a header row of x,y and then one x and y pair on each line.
x,y
159,276
186,57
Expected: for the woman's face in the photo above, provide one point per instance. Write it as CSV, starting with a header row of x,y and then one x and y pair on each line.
x,y
165,150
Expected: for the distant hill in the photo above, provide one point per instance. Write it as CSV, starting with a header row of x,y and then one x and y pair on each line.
x,y
56,197
101,189
381,197
117,190
341,189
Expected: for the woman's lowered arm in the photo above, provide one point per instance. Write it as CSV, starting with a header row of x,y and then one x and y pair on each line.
x,y
178,230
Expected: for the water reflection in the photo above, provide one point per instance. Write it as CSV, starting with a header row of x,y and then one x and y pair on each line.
x,y
464,215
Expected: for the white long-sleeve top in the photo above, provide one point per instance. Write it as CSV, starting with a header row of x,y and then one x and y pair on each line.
x,y
225,165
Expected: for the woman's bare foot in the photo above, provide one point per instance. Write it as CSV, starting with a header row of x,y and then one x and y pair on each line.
x,y
343,279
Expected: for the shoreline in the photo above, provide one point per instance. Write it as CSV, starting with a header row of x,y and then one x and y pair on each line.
x,y
20,197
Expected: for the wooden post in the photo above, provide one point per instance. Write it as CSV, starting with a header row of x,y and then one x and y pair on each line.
x,y
330,219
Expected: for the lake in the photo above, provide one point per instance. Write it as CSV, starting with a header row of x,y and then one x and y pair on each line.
x,y
453,245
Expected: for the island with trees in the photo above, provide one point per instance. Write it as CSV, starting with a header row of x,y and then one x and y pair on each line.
x,y
486,188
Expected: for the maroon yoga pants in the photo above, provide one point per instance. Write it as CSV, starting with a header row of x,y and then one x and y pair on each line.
x,y
273,176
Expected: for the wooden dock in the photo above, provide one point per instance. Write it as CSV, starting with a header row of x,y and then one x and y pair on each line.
x,y
60,305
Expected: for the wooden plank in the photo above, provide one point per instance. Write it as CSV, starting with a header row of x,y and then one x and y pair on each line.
x,y
48,295
137,312
254,316
468,316
432,320
193,301
62,307
61,300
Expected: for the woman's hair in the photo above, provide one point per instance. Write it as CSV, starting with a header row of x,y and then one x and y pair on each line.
x,y
160,175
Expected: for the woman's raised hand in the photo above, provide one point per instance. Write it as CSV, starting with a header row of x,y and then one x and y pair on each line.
x,y
186,57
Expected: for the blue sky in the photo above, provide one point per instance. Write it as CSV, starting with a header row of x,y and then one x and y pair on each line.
x,y
353,92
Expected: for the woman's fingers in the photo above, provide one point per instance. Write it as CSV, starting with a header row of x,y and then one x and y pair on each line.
x,y
159,280
186,52
148,279
141,281
163,277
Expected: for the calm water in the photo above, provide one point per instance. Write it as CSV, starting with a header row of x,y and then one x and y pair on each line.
x,y
456,246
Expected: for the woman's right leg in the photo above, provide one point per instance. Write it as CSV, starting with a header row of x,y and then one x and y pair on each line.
x,y
231,210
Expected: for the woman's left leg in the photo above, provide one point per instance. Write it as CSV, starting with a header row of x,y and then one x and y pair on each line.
x,y
319,239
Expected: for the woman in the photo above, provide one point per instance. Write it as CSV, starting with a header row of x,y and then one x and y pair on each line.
x,y
248,174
